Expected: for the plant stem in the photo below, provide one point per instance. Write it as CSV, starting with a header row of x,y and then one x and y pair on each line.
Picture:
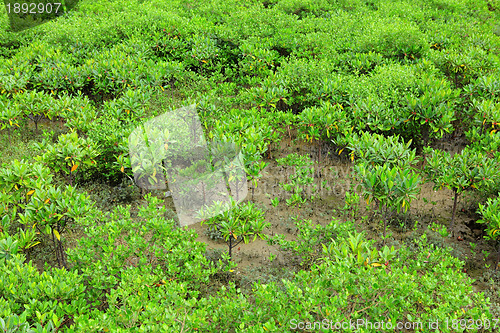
x,y
385,224
454,209
63,257
28,256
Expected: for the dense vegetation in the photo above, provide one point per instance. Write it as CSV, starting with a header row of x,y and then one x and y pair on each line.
x,y
376,85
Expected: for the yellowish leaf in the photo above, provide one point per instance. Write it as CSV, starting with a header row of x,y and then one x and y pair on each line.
x,y
46,201
67,158
376,264
341,150
128,111
31,245
166,146
204,61
17,188
30,192
56,233
162,88
122,169
73,168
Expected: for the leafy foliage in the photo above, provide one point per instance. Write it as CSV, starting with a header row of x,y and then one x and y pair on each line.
x,y
242,222
360,74
471,170
490,213
375,149
301,181
68,154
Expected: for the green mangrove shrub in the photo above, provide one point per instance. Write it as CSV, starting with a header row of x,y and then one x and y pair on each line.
x,y
470,170
236,223
36,105
376,149
490,216
120,249
322,123
431,113
301,181
70,152
311,237
52,211
10,115
392,188
39,302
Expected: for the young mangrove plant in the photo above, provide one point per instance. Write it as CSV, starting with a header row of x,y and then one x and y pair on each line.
x,y
490,213
471,170
301,181
68,154
236,223
392,188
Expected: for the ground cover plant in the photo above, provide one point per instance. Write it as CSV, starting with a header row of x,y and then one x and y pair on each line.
x,y
368,132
